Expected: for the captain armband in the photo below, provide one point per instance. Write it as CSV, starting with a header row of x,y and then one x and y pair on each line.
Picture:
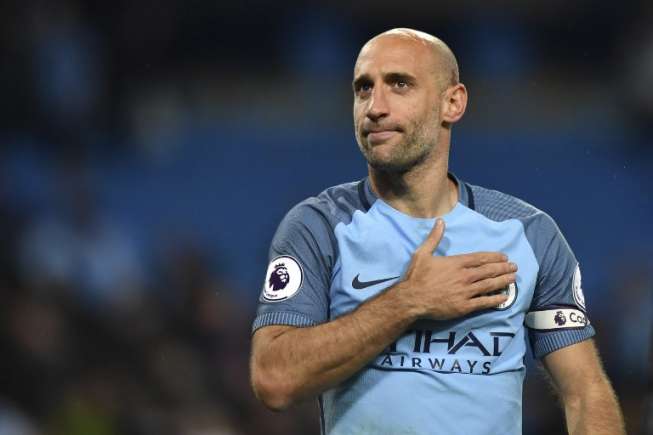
x,y
556,318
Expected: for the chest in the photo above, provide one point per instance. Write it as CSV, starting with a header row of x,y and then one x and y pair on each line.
x,y
375,251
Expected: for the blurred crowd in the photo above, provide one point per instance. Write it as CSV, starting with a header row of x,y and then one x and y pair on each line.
x,y
91,343
106,331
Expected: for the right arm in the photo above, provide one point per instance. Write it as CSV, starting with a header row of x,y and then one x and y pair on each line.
x,y
289,363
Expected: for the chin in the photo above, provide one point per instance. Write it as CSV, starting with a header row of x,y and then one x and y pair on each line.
x,y
393,163
390,165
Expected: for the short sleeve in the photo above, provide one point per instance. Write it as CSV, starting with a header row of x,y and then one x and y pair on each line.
x,y
557,316
298,277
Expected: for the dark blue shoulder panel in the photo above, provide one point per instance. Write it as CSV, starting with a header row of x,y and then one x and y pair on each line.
x,y
305,237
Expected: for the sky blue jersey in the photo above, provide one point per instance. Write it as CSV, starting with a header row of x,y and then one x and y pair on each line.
x,y
463,376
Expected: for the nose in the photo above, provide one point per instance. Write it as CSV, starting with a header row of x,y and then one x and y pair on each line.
x,y
378,105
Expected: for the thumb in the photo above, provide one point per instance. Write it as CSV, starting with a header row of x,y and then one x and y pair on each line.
x,y
433,239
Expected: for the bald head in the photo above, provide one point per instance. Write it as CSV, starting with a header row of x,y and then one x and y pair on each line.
x,y
407,96
443,59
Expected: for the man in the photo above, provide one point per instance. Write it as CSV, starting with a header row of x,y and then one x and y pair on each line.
x,y
403,323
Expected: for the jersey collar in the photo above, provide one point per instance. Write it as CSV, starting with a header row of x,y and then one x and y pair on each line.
x,y
368,197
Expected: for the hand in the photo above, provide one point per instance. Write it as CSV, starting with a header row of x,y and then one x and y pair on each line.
x,y
447,287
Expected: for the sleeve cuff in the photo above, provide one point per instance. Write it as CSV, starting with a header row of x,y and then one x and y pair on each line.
x,y
282,318
544,343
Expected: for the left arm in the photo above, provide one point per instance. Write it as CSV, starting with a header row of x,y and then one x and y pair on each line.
x,y
590,403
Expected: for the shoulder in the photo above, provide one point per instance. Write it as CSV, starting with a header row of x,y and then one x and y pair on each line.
x,y
331,206
313,221
499,206
540,229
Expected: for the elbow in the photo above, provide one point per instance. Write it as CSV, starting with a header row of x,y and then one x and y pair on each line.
x,y
271,389
272,397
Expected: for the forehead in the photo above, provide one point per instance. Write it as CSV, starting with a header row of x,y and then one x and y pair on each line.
x,y
394,54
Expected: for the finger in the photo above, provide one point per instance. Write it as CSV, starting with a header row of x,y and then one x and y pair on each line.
x,y
476,259
485,302
491,270
489,285
433,239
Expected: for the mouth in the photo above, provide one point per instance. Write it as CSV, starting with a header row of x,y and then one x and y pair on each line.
x,y
380,134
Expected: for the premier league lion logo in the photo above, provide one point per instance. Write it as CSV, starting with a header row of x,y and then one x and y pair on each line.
x,y
279,278
283,279
560,318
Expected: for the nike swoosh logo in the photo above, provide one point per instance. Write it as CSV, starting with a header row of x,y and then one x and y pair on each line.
x,y
358,285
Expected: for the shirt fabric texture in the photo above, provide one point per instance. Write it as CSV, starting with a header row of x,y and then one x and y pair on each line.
x,y
460,376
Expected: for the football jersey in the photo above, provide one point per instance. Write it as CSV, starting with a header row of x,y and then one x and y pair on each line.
x,y
462,376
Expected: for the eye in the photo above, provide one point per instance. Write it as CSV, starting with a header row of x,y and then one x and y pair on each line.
x,y
401,84
364,87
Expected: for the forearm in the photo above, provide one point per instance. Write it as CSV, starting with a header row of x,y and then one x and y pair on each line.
x,y
594,411
302,362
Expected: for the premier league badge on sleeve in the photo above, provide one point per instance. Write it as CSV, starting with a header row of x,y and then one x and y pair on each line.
x,y
283,280
577,290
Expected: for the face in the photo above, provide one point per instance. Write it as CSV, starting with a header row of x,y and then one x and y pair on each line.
x,y
397,101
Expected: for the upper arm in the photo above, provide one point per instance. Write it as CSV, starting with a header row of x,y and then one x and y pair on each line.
x,y
266,382
575,369
297,281
261,343
557,317
263,337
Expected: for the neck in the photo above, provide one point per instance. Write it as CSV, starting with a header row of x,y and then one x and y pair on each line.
x,y
425,191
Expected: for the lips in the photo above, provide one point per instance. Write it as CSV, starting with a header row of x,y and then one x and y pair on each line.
x,y
380,136
376,133
380,129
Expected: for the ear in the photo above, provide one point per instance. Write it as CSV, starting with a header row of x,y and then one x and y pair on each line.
x,y
454,103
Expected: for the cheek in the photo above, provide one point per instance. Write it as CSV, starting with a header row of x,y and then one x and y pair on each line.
x,y
359,114
415,118
429,116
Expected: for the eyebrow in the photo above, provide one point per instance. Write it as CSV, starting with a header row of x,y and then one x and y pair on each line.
x,y
387,77
400,76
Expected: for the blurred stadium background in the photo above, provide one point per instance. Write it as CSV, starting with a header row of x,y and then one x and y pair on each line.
x,y
150,148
